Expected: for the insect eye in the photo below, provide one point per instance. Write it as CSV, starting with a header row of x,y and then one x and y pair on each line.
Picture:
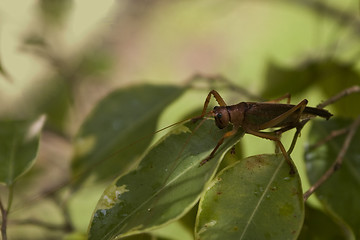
x,y
219,115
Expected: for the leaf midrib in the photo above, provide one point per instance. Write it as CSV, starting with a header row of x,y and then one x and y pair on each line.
x,y
261,200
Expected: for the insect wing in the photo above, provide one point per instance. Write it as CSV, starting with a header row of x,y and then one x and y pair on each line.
x,y
260,113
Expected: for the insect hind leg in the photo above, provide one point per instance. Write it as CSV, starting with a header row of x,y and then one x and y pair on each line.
x,y
301,106
299,127
286,96
279,144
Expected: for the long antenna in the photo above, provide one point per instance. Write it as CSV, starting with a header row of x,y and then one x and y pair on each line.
x,y
77,176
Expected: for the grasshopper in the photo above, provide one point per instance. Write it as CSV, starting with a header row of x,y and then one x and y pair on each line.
x,y
253,117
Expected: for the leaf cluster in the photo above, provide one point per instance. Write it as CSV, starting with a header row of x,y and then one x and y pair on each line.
x,y
149,186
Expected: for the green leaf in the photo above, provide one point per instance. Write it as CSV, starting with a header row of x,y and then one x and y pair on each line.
x,y
232,156
144,236
255,198
340,194
320,226
167,183
103,142
18,147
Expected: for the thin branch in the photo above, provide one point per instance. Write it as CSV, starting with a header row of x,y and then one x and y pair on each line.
x,y
10,198
234,87
42,195
339,160
346,92
68,225
328,138
352,129
221,78
4,221
335,98
39,223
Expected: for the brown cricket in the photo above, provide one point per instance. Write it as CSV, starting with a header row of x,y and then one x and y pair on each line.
x,y
253,117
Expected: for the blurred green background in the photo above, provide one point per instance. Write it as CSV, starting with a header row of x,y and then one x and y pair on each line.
x,y
60,57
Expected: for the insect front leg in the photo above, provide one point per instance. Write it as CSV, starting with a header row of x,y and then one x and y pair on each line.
x,y
217,97
226,135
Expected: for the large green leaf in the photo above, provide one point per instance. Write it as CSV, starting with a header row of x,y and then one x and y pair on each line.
x,y
103,143
319,226
340,194
256,198
18,147
166,184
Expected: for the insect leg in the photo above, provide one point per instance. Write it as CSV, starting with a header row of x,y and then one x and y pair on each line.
x,y
218,98
273,122
278,142
286,96
226,135
296,136
299,127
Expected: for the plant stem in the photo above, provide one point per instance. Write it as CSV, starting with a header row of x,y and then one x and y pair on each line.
x,y
222,79
4,221
5,212
346,92
10,198
63,206
39,223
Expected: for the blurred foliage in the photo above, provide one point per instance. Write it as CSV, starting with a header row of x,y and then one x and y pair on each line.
x,y
319,225
339,203
107,74
327,74
3,72
20,142
121,115
54,11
